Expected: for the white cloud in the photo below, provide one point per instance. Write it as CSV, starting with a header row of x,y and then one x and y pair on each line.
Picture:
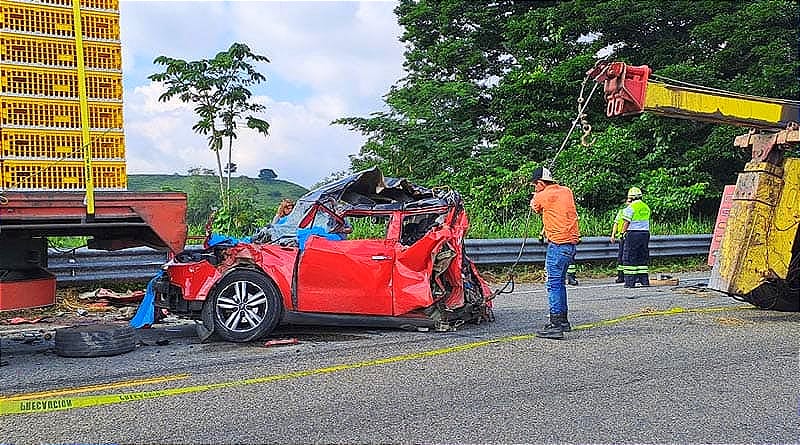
x,y
302,147
336,45
328,60
148,100
327,106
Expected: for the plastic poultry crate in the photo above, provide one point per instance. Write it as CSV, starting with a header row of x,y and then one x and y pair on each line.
x,y
61,175
58,114
43,19
110,5
58,83
63,144
58,52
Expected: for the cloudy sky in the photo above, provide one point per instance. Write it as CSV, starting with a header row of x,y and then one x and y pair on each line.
x,y
328,59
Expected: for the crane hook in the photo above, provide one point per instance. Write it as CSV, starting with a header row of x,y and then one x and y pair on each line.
x,y
587,131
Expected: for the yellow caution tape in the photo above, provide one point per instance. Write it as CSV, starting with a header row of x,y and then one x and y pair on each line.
x,y
98,387
670,311
25,405
35,403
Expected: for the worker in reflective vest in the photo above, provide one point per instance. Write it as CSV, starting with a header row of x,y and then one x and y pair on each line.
x,y
618,234
636,228
572,279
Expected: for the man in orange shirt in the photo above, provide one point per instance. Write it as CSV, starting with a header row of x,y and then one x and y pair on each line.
x,y
556,204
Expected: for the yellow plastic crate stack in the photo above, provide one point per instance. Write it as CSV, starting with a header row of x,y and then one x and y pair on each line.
x,y
40,127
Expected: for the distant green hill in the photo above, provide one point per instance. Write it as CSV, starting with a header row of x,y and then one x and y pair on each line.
x,y
269,193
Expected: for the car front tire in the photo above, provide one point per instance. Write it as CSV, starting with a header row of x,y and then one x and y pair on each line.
x,y
244,306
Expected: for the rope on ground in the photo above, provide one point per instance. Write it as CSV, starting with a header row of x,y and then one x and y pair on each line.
x,y
652,313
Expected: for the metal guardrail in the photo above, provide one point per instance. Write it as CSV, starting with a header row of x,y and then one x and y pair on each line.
x,y
140,264
505,251
85,266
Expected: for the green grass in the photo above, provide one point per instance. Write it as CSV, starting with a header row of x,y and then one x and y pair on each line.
x,y
589,225
268,193
66,242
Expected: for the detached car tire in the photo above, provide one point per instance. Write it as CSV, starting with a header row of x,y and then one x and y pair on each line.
x,y
244,306
95,340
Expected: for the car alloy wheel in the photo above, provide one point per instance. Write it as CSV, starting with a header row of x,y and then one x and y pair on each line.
x,y
246,305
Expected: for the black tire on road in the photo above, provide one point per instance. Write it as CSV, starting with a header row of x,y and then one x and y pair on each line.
x,y
95,340
775,296
244,306
781,295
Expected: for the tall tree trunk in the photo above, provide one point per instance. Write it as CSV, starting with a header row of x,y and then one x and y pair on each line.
x,y
222,194
230,148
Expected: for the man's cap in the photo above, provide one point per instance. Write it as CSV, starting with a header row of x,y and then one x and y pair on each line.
x,y
634,192
542,173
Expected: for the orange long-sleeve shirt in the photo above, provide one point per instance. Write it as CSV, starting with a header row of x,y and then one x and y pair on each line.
x,y
556,204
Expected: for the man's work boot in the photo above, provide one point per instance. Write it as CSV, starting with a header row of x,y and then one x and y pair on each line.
x,y
620,277
554,329
572,280
565,326
644,279
630,281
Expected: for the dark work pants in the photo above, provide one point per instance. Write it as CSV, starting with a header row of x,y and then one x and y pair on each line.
x,y
636,257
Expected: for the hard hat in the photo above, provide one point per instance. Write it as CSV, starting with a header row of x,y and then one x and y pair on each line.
x,y
543,174
634,192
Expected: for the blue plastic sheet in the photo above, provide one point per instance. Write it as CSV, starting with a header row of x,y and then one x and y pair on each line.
x,y
147,308
303,234
216,238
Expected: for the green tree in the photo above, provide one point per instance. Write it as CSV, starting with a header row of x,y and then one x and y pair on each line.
x,y
201,200
492,90
219,89
243,215
267,174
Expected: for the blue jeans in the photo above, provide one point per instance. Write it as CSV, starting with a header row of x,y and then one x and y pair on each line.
x,y
558,259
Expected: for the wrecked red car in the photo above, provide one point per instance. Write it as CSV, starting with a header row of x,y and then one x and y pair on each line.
x,y
366,250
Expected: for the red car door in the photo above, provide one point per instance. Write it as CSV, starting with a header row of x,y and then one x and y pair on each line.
x,y
346,277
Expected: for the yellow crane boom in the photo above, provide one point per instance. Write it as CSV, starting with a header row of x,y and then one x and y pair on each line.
x,y
759,259
629,90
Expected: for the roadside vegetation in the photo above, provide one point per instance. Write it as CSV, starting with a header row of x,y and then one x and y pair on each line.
x,y
492,91
253,201
218,88
590,225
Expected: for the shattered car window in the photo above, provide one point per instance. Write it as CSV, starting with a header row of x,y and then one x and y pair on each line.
x,y
285,232
369,226
416,226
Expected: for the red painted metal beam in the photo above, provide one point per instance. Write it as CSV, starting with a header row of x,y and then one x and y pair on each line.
x,y
117,220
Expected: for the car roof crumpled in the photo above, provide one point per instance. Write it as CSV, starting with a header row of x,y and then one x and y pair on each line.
x,y
369,189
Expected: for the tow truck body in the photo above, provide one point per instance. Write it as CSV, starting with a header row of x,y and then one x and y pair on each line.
x,y
759,257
